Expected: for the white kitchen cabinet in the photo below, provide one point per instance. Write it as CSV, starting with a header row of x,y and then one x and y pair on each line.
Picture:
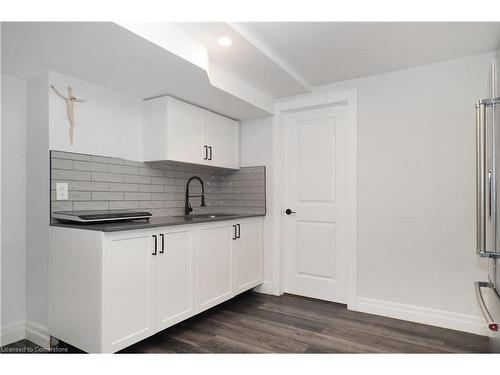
x,y
178,131
110,290
172,131
128,285
222,135
175,277
214,264
248,256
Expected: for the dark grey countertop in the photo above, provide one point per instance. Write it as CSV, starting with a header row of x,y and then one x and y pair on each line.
x,y
154,222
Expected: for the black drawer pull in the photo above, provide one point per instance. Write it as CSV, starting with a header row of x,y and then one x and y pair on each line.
x,y
156,244
162,243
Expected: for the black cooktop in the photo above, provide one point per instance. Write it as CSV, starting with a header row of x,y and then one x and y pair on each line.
x,y
99,216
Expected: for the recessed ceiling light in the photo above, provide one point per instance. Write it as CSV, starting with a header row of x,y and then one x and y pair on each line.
x,y
225,41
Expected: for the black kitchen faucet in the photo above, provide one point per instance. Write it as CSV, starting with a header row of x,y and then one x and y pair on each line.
x,y
187,206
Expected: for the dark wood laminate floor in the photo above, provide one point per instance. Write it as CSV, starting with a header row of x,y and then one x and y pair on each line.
x,y
257,323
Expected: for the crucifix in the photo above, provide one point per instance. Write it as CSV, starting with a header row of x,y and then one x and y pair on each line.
x,y
70,108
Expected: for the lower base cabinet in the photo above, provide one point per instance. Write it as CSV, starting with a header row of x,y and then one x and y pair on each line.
x,y
110,290
128,290
247,258
214,258
175,278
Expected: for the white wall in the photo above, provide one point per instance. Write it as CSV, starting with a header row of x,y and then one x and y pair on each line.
x,y
416,160
13,220
256,148
37,220
109,123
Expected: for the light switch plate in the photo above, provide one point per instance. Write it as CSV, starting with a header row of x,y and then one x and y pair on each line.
x,y
61,191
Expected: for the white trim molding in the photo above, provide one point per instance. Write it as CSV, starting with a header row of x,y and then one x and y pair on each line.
x,y
419,314
303,102
12,333
38,334
265,288
34,332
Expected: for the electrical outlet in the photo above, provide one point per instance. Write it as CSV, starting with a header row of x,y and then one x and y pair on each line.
x,y
61,191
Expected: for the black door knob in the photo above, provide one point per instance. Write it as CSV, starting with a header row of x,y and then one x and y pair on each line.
x,y
289,212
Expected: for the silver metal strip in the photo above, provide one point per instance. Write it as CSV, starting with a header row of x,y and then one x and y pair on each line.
x,y
489,101
478,285
484,182
480,177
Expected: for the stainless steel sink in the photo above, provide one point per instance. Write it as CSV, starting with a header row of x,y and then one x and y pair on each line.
x,y
206,216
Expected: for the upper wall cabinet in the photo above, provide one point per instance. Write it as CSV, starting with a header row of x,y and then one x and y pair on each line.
x,y
174,130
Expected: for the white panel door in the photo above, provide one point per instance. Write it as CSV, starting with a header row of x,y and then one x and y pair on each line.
x,y
247,256
315,164
174,287
128,290
214,246
221,135
184,132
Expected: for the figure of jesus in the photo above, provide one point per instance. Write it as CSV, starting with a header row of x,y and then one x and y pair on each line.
x,y
70,108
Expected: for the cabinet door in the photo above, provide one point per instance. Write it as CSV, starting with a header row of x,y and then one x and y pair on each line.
x,y
223,136
184,132
247,256
214,277
174,296
128,275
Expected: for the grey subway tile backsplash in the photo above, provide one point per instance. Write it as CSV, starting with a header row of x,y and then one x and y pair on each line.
x,y
106,196
90,186
132,179
74,195
151,172
89,206
63,174
62,163
123,205
90,166
123,169
61,205
117,186
70,155
137,196
107,177
100,183
152,188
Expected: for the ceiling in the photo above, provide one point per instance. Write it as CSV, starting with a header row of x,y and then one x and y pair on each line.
x,y
325,52
111,56
243,59
264,62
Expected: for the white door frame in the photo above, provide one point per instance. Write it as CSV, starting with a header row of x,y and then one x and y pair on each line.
x,y
304,102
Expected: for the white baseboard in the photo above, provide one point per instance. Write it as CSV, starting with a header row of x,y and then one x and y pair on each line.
x,y
38,334
12,333
265,288
424,315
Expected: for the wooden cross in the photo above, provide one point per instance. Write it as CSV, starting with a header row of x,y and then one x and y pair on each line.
x,y
70,108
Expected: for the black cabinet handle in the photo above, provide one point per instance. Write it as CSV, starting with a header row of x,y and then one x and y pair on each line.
x,y
156,243
210,148
239,231
234,236
162,243
289,211
206,152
